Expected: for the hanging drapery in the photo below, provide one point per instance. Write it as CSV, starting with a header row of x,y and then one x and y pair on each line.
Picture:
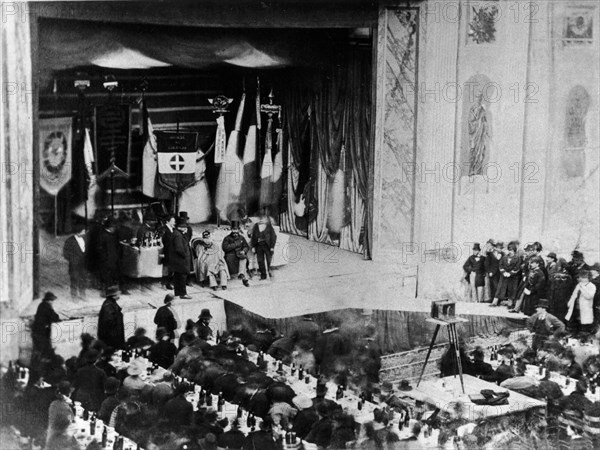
x,y
277,175
196,200
229,183
287,219
339,116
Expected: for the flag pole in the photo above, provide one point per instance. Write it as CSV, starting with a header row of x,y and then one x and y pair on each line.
x,y
55,94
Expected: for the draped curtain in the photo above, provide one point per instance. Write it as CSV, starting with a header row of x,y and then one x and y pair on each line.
x,y
335,112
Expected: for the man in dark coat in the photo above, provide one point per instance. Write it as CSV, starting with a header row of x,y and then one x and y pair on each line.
x,y
202,326
480,368
543,325
492,266
165,318
263,438
306,417
74,253
306,331
107,252
89,383
167,234
262,241
236,248
41,328
164,351
178,410
188,233
535,287
475,269
321,431
180,259
111,329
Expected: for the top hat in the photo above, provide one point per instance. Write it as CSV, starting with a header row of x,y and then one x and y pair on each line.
x,y
476,246
111,385
205,233
181,222
184,215
205,314
235,225
404,386
542,303
168,298
112,291
576,254
552,255
49,296
499,245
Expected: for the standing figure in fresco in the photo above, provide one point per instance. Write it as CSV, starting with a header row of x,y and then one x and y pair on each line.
x,y
479,134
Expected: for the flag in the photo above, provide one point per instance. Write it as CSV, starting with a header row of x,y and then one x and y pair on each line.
x,y
220,141
229,182
90,188
250,187
176,159
266,171
278,172
150,186
196,200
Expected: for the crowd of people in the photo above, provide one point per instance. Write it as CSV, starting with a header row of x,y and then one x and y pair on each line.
x,y
95,257
520,278
158,415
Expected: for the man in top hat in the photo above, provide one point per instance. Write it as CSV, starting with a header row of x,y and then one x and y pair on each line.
x,y
576,264
543,324
236,251
41,328
111,329
202,326
475,270
166,317
180,258
188,229
492,265
74,253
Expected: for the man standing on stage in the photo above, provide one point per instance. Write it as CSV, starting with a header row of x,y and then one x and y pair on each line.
x,y
236,251
166,240
263,242
111,329
179,258
107,252
74,253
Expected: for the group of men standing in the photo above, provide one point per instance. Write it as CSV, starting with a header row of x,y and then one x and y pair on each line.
x,y
524,279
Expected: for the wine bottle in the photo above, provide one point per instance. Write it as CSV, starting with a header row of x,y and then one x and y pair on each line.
x,y
209,399
339,393
301,372
220,402
104,436
202,397
240,411
288,436
293,369
93,425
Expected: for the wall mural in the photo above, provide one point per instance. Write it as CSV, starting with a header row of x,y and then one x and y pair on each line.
x,y
477,126
482,21
578,104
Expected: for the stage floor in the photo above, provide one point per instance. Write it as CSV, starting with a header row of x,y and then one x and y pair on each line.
x,y
317,278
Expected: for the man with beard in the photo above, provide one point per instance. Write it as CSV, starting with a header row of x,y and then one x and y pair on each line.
x,y
236,251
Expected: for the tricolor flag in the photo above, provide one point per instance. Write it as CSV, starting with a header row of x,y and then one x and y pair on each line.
x,y
266,171
250,178
229,183
176,159
92,184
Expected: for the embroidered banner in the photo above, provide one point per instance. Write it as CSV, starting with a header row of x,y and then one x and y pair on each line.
x,y
55,153
176,159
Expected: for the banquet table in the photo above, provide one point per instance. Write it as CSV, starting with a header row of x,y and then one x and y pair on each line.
x,y
445,394
141,262
85,434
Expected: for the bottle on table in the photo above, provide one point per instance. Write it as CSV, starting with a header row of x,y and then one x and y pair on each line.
x,y
339,393
301,373
104,436
220,402
293,369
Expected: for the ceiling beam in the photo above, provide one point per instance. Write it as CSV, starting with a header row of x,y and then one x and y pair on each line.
x,y
221,13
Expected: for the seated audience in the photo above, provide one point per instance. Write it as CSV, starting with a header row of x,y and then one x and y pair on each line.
x,y
111,389
88,383
139,340
164,351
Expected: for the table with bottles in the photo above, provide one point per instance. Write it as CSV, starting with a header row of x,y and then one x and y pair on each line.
x,y
144,261
86,427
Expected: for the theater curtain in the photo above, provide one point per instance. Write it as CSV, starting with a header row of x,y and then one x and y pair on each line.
x,y
335,113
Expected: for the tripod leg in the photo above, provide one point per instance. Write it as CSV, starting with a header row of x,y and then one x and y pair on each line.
x,y
435,333
458,360
456,351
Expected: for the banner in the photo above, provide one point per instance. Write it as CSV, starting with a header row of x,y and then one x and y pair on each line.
x,y
176,159
55,153
113,137
220,141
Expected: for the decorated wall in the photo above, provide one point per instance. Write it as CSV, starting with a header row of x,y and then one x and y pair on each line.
x,y
507,134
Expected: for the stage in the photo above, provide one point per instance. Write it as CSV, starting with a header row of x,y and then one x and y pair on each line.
x,y
318,279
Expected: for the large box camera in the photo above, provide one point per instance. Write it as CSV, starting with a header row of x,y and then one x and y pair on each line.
x,y
443,309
